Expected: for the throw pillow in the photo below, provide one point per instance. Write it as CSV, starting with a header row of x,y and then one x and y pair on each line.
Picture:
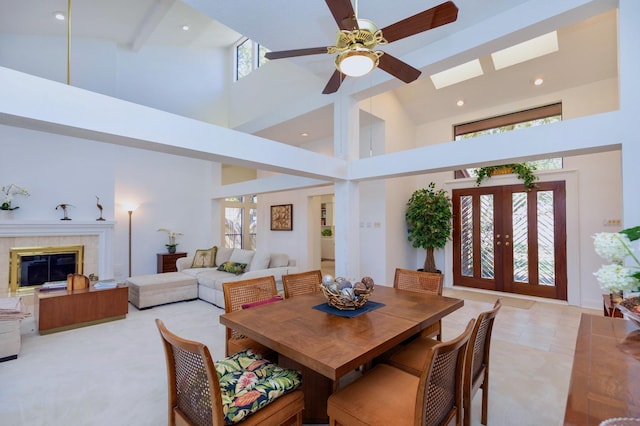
x,y
204,258
223,255
233,267
261,302
279,260
260,261
242,256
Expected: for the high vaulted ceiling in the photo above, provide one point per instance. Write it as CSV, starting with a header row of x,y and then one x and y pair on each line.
x,y
587,49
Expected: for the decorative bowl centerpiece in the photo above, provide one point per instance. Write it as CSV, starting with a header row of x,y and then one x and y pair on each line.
x,y
345,294
631,308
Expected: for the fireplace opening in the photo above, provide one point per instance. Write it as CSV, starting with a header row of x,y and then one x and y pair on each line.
x,y
33,266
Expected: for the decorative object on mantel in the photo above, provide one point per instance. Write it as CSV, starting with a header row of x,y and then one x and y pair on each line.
x,y
524,171
616,277
99,207
342,294
171,246
8,192
64,210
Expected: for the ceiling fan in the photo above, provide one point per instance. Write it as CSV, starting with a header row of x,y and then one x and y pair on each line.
x,y
357,38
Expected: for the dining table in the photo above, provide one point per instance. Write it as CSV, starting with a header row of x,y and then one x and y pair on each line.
x,y
605,386
326,344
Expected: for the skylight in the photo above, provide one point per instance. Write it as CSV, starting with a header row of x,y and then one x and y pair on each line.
x,y
525,51
457,74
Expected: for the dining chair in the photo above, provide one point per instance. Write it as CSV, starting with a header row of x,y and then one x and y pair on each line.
x,y
204,392
425,282
411,357
246,292
387,395
302,283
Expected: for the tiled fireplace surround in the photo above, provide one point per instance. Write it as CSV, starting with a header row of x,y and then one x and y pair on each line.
x,y
96,237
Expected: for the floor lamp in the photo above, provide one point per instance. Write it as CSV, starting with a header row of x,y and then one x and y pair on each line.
x,y
130,213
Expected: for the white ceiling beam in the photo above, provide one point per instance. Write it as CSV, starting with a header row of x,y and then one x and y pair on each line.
x,y
595,133
150,22
40,104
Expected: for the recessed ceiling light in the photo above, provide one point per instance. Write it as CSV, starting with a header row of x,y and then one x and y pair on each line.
x,y
530,49
185,28
457,74
305,134
59,16
460,102
538,81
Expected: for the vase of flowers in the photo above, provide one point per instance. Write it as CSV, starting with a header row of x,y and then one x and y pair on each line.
x,y
171,245
7,192
622,275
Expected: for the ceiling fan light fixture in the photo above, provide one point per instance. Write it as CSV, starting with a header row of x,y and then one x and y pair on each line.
x,y
356,62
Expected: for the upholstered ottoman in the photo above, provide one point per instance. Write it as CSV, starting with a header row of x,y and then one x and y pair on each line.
x,y
157,289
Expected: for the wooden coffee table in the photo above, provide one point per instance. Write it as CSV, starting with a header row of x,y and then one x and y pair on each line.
x,y
58,310
326,347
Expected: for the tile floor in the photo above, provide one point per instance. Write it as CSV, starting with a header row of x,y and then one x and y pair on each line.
x,y
114,373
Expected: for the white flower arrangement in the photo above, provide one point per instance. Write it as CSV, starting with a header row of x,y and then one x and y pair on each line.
x,y
615,247
7,192
172,236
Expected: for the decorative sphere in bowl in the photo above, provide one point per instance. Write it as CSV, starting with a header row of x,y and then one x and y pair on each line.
x,y
327,279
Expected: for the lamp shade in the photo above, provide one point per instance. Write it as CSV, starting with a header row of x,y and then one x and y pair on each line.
x,y
356,62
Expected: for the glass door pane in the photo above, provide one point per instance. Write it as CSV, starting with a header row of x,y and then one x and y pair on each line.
x,y
520,237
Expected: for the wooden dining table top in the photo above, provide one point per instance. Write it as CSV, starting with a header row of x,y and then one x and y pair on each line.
x,y
605,377
333,345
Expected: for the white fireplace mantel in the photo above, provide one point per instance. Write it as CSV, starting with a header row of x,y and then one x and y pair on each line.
x,y
23,228
104,230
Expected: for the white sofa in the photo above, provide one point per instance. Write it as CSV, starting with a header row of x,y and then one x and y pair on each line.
x,y
259,264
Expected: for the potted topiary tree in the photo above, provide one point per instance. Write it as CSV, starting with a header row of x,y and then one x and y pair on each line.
x,y
429,222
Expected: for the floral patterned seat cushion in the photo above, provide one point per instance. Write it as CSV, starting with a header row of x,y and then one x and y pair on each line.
x,y
249,382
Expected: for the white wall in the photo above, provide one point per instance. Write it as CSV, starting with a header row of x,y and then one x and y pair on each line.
x,y
189,82
171,192
598,189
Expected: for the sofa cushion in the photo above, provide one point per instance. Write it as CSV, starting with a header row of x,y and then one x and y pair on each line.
x,y
223,255
260,260
233,267
204,258
242,256
279,260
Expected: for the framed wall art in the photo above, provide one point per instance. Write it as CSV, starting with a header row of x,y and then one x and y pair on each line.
x,y
282,217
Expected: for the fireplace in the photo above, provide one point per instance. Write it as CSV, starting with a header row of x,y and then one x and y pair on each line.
x,y
96,237
30,267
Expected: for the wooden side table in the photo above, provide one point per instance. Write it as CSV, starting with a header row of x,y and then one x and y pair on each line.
x,y
167,261
59,310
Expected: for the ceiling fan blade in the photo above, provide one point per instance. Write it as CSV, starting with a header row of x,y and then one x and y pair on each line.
x,y
297,52
334,83
398,69
442,14
343,13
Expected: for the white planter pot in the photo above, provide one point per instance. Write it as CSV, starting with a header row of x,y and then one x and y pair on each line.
x,y
6,214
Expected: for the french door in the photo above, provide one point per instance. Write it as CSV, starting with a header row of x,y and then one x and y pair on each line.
x,y
508,239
